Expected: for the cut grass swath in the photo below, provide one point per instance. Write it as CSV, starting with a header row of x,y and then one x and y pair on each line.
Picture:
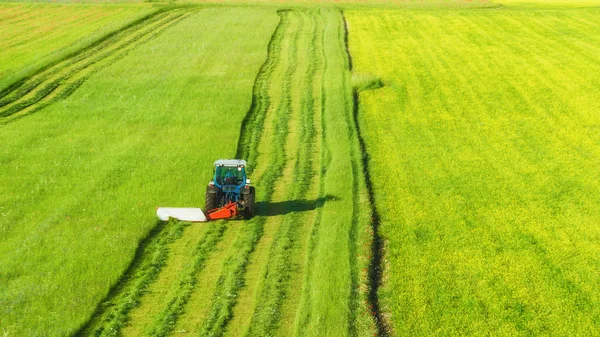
x,y
272,293
166,320
111,316
60,80
233,277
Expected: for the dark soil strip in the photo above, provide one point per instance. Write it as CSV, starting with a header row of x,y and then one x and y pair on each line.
x,y
375,265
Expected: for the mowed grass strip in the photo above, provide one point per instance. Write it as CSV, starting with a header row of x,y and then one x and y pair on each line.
x,y
280,98
110,318
327,306
311,148
60,80
157,294
232,280
178,298
34,35
200,301
484,148
81,179
270,292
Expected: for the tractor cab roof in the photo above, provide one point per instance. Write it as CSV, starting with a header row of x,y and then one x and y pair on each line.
x,y
230,162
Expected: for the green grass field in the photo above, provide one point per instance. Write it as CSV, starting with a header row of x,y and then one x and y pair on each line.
x,y
36,35
422,168
82,177
484,145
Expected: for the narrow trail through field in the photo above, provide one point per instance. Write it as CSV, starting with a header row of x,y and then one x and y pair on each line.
x,y
63,78
294,269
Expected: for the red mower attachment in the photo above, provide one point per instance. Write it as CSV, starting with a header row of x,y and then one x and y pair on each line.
x,y
228,211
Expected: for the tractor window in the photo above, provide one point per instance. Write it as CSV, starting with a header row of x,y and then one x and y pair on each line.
x,y
229,175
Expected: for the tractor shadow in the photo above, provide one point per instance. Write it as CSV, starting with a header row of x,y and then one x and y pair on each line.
x,y
290,206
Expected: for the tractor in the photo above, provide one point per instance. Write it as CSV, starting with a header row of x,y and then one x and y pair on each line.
x,y
228,195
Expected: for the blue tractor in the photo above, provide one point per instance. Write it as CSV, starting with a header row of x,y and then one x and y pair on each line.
x,y
229,193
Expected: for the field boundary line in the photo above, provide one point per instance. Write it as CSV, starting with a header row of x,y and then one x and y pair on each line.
x,y
377,247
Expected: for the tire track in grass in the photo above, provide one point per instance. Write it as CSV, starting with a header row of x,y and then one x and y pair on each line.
x,y
62,79
232,280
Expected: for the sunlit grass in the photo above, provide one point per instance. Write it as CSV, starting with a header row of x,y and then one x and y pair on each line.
x,y
33,35
484,150
81,179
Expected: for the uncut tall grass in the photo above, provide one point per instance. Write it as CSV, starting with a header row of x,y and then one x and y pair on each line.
x,y
81,179
484,147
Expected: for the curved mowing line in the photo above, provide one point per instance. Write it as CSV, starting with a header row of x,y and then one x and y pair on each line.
x,y
232,279
52,84
112,313
84,56
374,270
101,41
253,123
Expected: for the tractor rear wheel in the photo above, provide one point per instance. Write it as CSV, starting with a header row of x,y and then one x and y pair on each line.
x,y
249,203
212,200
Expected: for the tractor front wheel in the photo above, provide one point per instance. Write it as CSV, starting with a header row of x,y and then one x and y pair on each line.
x,y
249,203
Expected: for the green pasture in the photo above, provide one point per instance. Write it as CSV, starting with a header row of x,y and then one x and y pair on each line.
x,y
35,35
81,178
462,135
484,149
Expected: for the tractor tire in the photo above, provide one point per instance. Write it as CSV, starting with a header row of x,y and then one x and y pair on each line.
x,y
249,203
212,200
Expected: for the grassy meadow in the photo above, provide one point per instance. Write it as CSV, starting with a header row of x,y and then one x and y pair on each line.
x,y
460,135
483,145
35,35
82,177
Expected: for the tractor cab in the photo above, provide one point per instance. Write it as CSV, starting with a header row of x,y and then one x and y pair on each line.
x,y
230,172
